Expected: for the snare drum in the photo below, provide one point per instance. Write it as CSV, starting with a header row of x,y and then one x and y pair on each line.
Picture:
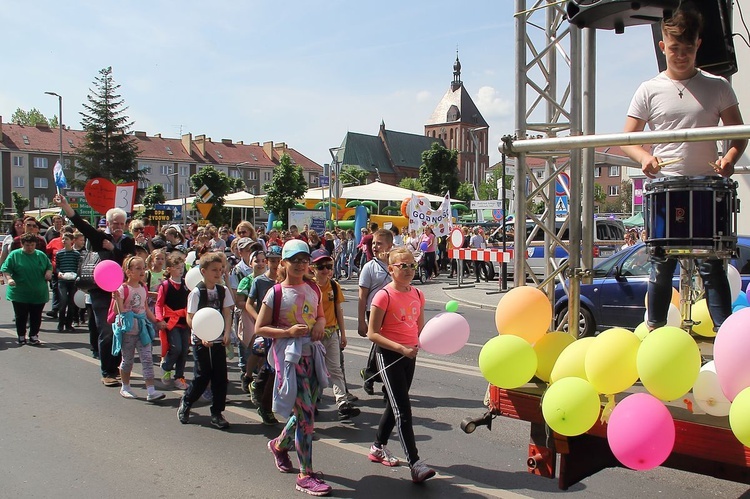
x,y
691,215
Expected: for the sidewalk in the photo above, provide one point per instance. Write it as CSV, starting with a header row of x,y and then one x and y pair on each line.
x,y
481,294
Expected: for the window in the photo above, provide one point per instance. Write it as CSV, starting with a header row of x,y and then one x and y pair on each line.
x,y
18,161
68,163
40,183
146,167
267,176
18,182
167,187
539,174
183,189
613,190
597,171
614,171
40,163
41,202
253,175
184,171
166,170
143,184
235,173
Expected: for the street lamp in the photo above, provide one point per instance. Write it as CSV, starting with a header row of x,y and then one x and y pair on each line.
x,y
60,124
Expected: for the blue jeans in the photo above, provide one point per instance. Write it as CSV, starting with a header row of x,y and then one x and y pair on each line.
x,y
110,364
67,310
715,282
179,343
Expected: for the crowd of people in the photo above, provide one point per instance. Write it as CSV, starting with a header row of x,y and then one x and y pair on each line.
x,y
281,306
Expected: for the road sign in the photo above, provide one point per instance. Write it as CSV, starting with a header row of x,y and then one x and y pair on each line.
x,y
159,215
176,210
561,205
562,184
204,208
81,206
488,204
204,194
323,180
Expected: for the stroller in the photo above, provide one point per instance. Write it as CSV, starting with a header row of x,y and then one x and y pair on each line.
x,y
421,274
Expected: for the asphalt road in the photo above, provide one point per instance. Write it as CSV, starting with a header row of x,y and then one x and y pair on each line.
x,y
63,434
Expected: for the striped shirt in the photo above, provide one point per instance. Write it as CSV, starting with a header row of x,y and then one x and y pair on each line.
x,y
67,260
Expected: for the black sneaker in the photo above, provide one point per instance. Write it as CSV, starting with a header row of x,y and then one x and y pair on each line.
x,y
348,411
183,411
268,418
246,383
60,328
219,422
51,314
34,340
21,340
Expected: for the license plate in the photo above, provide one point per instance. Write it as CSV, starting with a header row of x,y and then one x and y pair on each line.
x,y
606,253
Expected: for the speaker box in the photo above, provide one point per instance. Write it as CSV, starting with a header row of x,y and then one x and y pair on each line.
x,y
716,54
617,14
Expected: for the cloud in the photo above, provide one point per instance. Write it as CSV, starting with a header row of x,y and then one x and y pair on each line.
x,y
424,96
492,105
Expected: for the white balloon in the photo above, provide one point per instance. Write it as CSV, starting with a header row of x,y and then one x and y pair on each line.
x,y
193,277
708,394
80,299
208,324
735,282
674,317
190,258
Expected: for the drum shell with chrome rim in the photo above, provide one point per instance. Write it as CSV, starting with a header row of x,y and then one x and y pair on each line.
x,y
691,215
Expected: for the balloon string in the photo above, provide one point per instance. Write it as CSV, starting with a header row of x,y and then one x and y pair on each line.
x,y
386,367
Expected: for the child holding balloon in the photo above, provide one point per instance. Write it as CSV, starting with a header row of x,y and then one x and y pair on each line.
x,y
396,320
133,328
209,353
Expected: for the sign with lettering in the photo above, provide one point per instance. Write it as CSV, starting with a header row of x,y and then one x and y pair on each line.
x,y
159,215
102,195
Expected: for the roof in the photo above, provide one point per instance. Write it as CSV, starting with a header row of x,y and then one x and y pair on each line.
x,y
40,139
298,159
406,148
365,151
162,149
228,153
460,100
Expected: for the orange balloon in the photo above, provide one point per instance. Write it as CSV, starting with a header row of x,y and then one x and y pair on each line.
x,y
404,205
524,311
675,300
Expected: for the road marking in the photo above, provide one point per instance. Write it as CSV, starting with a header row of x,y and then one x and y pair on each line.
x,y
455,480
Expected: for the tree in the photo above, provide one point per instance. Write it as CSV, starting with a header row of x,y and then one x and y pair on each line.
x,y
626,197
465,192
353,174
220,184
108,150
412,184
286,187
32,118
20,203
599,195
154,195
439,170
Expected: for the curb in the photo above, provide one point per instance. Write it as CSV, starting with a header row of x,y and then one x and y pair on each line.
x,y
459,295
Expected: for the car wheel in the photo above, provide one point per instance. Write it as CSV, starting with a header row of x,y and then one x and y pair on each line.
x,y
586,325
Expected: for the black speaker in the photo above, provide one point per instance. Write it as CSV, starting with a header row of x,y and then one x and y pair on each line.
x,y
716,54
617,14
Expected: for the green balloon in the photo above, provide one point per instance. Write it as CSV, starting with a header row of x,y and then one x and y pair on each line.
x,y
571,406
451,306
507,361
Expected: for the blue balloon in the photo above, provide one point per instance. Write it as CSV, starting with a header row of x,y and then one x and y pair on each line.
x,y
741,300
737,308
423,246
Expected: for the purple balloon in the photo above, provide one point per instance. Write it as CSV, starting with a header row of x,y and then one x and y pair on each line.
x,y
108,275
747,292
423,246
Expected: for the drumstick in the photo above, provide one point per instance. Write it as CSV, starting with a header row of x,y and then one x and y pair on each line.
x,y
668,162
715,166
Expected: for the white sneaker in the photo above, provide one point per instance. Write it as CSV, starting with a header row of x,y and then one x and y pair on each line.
x,y
126,393
180,384
421,472
383,456
154,396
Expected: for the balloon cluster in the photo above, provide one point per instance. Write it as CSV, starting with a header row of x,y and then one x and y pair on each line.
x,y
667,361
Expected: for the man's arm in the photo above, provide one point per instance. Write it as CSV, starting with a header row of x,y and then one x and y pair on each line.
x,y
649,164
731,116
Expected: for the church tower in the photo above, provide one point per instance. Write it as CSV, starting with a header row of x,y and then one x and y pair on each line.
x,y
459,123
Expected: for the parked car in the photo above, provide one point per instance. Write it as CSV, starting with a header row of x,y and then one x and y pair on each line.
x,y
616,297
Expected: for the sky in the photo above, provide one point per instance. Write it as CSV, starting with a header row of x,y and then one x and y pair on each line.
x,y
299,72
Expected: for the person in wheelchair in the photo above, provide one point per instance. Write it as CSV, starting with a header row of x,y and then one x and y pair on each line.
x,y
680,97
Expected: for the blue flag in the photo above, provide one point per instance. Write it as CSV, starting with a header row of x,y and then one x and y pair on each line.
x,y
60,180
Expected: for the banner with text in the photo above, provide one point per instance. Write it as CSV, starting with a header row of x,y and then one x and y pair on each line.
x,y
422,215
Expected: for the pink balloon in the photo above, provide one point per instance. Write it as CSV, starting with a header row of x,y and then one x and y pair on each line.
x,y
108,275
641,432
731,353
444,334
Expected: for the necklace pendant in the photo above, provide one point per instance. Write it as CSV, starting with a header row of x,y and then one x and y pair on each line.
x,y
680,94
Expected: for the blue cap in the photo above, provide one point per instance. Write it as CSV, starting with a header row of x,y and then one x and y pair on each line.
x,y
273,251
294,246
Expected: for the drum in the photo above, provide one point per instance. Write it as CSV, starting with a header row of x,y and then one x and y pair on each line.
x,y
692,215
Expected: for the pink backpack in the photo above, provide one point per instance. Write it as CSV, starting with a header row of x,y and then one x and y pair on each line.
x,y
112,313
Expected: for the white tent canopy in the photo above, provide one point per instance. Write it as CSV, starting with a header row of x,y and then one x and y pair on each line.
x,y
233,200
376,191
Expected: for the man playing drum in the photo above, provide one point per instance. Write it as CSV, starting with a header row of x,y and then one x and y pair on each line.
x,y
681,97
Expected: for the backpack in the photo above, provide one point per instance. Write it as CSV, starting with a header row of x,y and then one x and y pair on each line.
x,y
86,265
203,294
112,312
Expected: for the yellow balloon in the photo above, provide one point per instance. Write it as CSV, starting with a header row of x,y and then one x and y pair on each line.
x,y
571,406
548,349
610,361
739,417
668,362
570,363
524,311
703,326
507,361
641,331
675,299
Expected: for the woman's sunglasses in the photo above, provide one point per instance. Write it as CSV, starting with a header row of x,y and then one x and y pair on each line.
x,y
326,266
405,266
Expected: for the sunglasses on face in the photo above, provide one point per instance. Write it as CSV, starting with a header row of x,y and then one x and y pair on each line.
x,y
324,266
405,266
299,261
137,229
240,232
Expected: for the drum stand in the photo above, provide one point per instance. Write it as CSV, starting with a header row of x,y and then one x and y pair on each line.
x,y
688,293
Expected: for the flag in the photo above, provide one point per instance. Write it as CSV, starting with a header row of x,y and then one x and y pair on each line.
x,y
60,180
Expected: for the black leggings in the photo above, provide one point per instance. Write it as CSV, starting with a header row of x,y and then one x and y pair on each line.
x,y
31,312
397,380
210,366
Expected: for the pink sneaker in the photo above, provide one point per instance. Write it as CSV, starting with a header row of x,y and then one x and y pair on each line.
x,y
281,458
382,455
312,484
